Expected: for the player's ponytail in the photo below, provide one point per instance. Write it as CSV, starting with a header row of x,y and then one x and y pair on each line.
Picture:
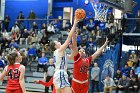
x,y
12,58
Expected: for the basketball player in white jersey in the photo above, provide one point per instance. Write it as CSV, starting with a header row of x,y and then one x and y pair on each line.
x,y
60,78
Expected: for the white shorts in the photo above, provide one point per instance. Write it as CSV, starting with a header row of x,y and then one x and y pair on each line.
x,y
60,79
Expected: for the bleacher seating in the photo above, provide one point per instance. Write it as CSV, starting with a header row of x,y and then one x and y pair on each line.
x,y
31,86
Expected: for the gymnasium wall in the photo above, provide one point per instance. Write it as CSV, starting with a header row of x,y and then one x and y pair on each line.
x,y
13,7
40,7
58,7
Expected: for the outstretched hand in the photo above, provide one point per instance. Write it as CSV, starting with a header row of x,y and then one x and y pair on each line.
x,y
36,81
76,20
107,41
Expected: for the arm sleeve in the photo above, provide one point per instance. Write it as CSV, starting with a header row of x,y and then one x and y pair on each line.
x,y
46,84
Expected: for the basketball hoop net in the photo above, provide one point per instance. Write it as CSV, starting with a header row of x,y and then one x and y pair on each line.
x,y
100,10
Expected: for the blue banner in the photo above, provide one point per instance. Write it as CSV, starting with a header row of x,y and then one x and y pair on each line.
x,y
109,61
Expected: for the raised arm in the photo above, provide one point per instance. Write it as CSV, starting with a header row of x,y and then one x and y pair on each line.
x,y
74,44
21,78
99,51
74,48
65,45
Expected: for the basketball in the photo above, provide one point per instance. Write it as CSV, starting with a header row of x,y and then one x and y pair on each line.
x,y
80,14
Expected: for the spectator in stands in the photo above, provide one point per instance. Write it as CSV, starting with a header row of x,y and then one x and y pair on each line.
x,y
90,25
92,35
110,17
6,22
32,38
5,34
44,27
57,26
117,76
108,84
67,25
83,42
44,40
98,32
13,35
18,35
132,74
49,73
81,24
15,28
24,37
90,46
133,85
4,43
51,28
32,15
20,17
123,84
130,62
84,32
13,43
126,70
42,62
133,57
11,49
1,62
78,37
35,27
31,54
95,71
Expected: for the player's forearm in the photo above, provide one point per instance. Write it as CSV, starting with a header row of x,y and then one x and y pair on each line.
x,y
101,48
72,30
22,84
99,51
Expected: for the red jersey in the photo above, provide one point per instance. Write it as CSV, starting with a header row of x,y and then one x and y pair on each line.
x,y
81,67
13,75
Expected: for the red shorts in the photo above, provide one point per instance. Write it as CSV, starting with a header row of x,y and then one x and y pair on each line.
x,y
79,88
14,91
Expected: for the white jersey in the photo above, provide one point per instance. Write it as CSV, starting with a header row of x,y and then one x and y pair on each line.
x,y
60,61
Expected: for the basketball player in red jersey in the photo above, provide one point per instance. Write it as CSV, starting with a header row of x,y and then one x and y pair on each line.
x,y
81,65
15,74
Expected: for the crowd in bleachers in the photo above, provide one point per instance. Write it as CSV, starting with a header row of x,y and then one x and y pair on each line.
x,y
34,42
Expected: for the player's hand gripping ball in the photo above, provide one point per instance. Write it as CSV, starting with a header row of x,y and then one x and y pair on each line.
x,y
80,14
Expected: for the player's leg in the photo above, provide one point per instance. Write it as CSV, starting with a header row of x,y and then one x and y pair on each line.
x,y
66,90
58,91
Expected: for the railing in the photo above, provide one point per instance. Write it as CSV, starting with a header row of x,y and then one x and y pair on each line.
x,y
28,22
